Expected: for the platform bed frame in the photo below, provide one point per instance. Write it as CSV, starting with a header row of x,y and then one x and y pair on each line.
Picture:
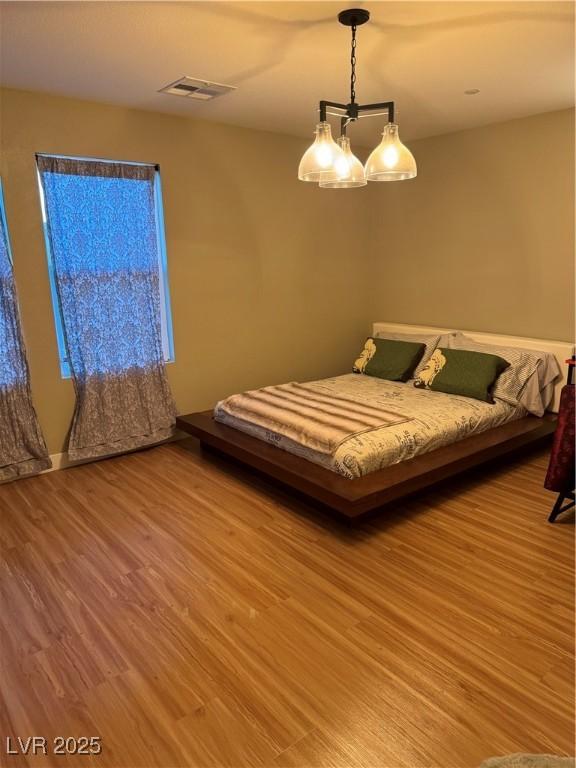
x,y
355,497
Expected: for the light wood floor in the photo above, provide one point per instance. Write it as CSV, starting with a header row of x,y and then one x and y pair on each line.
x,y
191,615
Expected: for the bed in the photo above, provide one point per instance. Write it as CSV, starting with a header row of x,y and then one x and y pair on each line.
x,y
442,435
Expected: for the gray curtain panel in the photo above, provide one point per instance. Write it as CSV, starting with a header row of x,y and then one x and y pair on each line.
x,y
22,447
103,239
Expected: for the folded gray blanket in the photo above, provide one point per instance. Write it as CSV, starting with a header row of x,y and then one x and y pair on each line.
x,y
308,415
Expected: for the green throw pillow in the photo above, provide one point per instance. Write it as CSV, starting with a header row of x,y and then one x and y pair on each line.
x,y
387,359
462,372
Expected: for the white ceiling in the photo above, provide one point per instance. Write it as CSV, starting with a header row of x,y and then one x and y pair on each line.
x,y
285,56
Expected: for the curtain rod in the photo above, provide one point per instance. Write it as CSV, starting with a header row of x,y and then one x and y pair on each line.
x,y
96,159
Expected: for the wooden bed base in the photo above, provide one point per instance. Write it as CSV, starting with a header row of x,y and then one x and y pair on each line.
x,y
355,497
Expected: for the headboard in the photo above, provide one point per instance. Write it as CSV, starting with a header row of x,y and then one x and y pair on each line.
x,y
562,350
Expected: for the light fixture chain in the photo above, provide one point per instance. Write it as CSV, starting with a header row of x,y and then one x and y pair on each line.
x,y
353,66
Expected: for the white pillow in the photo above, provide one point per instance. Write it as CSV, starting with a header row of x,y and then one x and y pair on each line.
x,y
538,392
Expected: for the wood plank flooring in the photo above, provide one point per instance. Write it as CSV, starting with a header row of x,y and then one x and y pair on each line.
x,y
190,614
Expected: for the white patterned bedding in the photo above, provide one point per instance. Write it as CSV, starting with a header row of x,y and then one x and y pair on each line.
x,y
438,419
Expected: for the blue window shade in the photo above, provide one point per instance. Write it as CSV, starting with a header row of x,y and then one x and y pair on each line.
x,y
107,261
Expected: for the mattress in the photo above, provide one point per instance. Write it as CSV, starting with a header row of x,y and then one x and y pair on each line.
x,y
436,419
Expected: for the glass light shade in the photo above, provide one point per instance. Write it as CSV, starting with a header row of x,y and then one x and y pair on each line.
x,y
391,160
350,169
319,161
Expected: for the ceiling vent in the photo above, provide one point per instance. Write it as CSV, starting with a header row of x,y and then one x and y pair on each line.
x,y
201,90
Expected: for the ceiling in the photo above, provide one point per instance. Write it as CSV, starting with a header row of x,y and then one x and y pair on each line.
x,y
285,56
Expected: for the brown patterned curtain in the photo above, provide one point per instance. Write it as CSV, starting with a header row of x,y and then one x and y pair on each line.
x,y
22,447
102,235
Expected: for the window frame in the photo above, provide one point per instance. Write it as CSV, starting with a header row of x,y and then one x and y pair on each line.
x,y
164,283
5,223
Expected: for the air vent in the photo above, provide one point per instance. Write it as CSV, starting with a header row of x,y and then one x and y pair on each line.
x,y
201,90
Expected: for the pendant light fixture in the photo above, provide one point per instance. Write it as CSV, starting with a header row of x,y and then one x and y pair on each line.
x,y
349,169
391,160
320,161
333,165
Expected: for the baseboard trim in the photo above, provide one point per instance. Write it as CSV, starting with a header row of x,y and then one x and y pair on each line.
x,y
61,460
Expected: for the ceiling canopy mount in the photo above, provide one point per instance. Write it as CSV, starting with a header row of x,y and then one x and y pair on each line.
x,y
353,17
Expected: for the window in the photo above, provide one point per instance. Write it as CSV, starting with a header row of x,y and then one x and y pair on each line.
x,y
104,232
4,226
10,372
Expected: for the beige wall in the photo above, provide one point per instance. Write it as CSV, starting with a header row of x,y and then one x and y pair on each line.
x,y
483,238
272,279
267,275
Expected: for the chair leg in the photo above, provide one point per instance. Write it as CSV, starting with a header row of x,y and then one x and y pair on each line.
x,y
558,508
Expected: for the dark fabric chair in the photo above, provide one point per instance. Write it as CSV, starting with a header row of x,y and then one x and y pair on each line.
x,y
561,469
